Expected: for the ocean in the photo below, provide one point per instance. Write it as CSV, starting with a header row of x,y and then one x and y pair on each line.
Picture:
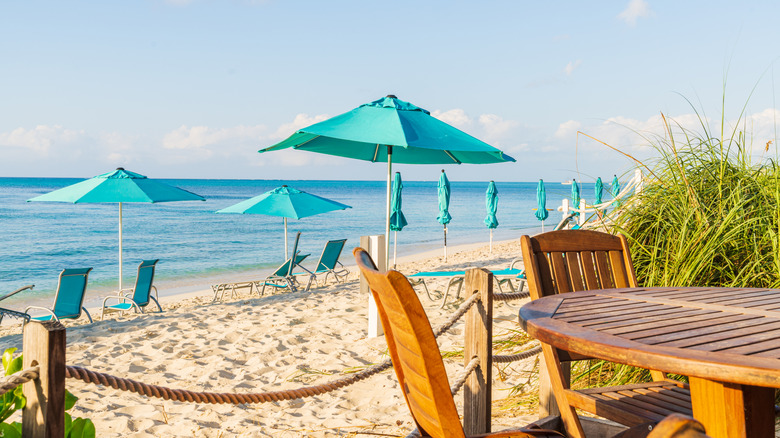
x,y
196,246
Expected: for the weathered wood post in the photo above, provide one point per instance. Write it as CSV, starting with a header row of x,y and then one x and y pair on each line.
x,y
478,391
44,414
375,246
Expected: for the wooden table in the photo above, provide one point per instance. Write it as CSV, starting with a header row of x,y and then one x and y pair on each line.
x,y
726,340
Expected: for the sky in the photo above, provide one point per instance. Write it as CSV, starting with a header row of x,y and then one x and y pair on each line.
x,y
194,88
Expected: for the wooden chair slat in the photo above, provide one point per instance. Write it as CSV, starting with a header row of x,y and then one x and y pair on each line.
x,y
618,268
603,269
560,272
589,270
575,274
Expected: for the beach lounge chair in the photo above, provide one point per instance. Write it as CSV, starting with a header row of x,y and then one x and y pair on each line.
x,y
416,357
14,313
140,296
567,261
69,298
329,263
456,278
283,276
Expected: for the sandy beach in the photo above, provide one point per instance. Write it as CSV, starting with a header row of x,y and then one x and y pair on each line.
x,y
270,343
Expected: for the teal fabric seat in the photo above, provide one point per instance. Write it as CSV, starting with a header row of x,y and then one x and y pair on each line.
x,y
137,298
328,263
69,298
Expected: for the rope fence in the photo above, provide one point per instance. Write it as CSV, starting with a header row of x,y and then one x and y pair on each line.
x,y
8,383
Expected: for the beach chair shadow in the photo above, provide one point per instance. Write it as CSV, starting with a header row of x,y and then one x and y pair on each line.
x,y
137,298
69,298
568,261
328,263
416,357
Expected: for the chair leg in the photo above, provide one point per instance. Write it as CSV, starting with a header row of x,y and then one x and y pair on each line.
x,y
88,315
568,414
157,302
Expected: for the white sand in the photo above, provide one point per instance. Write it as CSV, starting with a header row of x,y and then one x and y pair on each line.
x,y
272,343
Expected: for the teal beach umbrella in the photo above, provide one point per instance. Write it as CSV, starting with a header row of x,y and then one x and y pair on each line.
x,y
286,202
118,186
599,188
397,219
444,205
391,130
614,188
575,195
541,203
491,204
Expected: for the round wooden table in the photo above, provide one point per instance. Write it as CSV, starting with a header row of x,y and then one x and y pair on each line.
x,y
726,340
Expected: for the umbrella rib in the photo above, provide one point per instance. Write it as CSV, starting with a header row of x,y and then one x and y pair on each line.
x,y
298,146
457,161
376,153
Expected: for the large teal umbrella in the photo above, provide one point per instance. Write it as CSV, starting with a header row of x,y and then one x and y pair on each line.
x,y
397,219
286,202
575,195
491,204
119,186
391,130
614,188
541,203
444,205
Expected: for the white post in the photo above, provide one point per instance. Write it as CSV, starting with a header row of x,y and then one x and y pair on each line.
x,y
565,208
120,246
581,217
375,245
286,255
639,182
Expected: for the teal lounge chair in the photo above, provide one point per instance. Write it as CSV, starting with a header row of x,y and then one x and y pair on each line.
x,y
14,313
329,263
456,278
283,276
141,294
69,299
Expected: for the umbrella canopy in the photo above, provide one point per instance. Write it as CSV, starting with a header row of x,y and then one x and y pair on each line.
x,y
575,194
614,188
119,186
397,219
285,202
392,130
541,202
491,204
599,191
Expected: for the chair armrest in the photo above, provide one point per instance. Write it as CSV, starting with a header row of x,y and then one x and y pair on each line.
x,y
51,312
514,262
520,433
23,288
119,298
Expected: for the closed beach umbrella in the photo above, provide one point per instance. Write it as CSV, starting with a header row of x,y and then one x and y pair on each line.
x,y
119,186
491,205
392,130
541,203
286,202
444,206
599,191
397,219
615,189
575,194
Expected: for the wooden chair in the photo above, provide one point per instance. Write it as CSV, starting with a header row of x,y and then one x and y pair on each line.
x,y
416,357
673,426
576,260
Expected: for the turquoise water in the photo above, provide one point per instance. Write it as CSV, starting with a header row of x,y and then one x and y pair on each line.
x,y
197,246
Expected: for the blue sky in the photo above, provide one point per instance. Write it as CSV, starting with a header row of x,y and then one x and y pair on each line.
x,y
192,89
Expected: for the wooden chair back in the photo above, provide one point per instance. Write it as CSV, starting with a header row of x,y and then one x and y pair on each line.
x,y
413,350
576,260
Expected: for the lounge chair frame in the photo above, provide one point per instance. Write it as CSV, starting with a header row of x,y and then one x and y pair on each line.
x,y
52,311
128,296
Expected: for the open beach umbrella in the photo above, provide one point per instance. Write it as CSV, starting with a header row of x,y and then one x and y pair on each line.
x,y
392,130
491,204
541,203
444,205
397,219
575,194
286,202
119,186
614,188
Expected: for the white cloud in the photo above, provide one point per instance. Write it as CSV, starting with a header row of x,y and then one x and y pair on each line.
x,y
636,9
199,137
495,126
301,121
40,139
571,66
567,129
455,117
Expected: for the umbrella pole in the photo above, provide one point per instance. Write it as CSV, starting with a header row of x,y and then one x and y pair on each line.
x,y
387,217
445,242
491,241
120,247
286,256
395,246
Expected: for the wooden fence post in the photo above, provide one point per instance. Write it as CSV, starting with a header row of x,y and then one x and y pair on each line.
x,y
44,414
478,391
